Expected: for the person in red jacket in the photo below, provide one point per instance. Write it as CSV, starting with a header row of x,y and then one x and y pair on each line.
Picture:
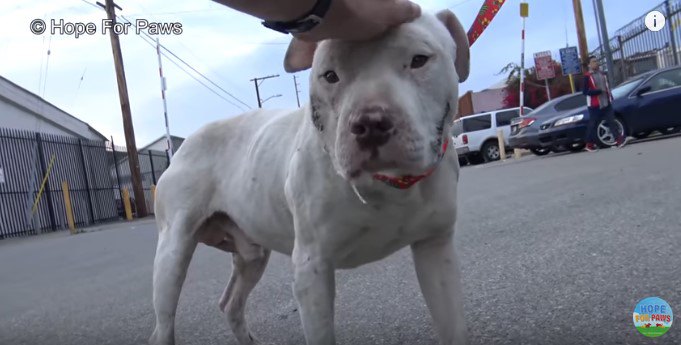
x,y
599,101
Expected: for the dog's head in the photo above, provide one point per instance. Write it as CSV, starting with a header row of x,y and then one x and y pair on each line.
x,y
387,104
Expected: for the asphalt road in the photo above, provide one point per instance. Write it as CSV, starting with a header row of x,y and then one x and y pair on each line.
x,y
554,250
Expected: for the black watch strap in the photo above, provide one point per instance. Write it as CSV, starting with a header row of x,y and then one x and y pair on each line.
x,y
305,23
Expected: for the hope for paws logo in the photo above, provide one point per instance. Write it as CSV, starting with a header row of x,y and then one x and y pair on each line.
x,y
653,317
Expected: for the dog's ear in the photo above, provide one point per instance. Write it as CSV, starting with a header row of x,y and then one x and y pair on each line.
x,y
299,55
462,59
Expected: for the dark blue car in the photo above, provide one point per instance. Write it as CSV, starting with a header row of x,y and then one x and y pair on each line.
x,y
650,102
644,104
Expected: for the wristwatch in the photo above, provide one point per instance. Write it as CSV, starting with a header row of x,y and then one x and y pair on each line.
x,y
303,24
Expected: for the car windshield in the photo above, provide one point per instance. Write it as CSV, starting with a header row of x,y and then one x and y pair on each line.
x,y
550,105
626,88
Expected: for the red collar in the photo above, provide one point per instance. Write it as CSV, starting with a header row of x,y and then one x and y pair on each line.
x,y
406,181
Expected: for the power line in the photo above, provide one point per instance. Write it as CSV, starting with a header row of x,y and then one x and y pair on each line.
x,y
190,66
460,3
47,66
194,77
91,4
186,64
220,77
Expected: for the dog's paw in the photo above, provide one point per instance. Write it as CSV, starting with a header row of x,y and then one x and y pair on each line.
x,y
222,304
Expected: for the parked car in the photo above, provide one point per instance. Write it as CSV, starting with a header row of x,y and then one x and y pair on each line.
x,y
533,131
650,102
646,103
475,136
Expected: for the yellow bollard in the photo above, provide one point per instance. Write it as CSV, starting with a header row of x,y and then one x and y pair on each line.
x,y
502,145
517,154
67,206
126,204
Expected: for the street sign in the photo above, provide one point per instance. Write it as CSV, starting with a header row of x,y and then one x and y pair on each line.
x,y
543,65
569,60
524,9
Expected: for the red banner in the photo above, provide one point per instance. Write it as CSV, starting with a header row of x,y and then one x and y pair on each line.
x,y
487,12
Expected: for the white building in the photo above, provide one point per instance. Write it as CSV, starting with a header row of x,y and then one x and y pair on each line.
x,y
161,144
24,110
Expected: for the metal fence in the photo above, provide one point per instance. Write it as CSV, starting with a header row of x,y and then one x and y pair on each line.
x,y
636,50
94,170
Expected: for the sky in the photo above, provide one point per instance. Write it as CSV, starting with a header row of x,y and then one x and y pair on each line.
x,y
231,48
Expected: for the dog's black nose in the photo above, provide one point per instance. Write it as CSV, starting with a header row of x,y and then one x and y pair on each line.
x,y
371,130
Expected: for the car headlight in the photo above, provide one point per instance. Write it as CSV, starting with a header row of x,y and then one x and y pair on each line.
x,y
568,120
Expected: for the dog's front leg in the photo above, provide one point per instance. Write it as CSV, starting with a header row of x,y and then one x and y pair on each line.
x,y
314,289
438,274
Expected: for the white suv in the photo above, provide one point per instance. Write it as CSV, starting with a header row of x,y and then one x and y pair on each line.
x,y
475,136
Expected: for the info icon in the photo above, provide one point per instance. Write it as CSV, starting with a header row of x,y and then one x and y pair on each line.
x,y
655,21
653,317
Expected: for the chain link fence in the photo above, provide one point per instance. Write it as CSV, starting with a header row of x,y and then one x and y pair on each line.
x,y
636,49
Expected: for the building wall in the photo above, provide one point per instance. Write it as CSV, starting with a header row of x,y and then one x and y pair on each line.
x,y
15,118
161,145
21,109
488,100
465,105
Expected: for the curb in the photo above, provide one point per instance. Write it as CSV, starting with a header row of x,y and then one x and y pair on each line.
x,y
118,224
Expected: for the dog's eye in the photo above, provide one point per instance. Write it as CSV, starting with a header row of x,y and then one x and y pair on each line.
x,y
418,61
331,77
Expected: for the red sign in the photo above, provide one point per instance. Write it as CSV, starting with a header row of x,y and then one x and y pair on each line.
x,y
543,65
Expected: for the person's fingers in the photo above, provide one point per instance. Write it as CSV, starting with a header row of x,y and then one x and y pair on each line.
x,y
401,11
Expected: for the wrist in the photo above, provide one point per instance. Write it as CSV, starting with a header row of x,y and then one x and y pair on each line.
x,y
308,21
337,13
291,10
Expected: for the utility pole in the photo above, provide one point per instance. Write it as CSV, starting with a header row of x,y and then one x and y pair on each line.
x,y
258,82
295,84
140,202
606,43
524,13
163,96
598,26
581,35
672,35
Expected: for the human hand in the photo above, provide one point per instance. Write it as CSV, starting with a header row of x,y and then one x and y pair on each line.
x,y
361,19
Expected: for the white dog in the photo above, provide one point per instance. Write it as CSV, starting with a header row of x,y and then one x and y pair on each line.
x,y
356,175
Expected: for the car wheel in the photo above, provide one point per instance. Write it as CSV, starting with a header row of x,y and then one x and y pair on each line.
x,y
641,135
605,138
490,151
577,147
540,151
670,130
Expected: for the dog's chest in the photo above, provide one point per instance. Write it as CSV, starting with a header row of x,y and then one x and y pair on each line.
x,y
371,232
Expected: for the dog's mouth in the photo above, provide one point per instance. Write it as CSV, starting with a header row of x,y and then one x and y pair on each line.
x,y
374,166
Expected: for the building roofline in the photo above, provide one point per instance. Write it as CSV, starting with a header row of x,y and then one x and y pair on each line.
x,y
49,104
172,137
